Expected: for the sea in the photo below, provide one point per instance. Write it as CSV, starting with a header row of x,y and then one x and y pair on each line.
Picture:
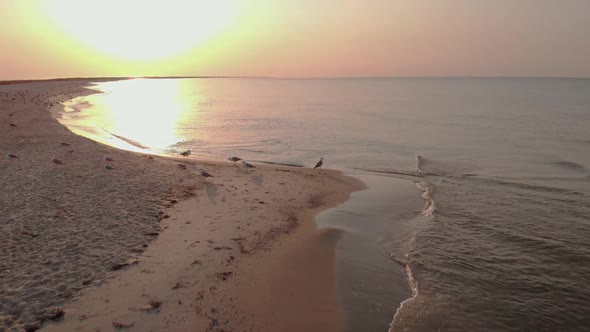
x,y
477,212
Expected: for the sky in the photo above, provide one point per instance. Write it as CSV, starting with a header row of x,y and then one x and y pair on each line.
x,y
294,38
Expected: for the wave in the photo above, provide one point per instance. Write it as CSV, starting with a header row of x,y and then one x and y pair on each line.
x,y
127,140
278,163
520,185
428,189
414,287
404,173
569,165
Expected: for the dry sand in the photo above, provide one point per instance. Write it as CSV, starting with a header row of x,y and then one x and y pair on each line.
x,y
224,253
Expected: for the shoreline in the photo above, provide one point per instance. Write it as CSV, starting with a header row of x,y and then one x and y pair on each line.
x,y
107,218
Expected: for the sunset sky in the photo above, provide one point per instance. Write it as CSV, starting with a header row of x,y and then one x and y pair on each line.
x,y
294,38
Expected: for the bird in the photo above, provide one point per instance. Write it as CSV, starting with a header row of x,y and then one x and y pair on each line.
x,y
320,163
419,170
13,125
13,156
234,159
109,167
205,174
57,161
186,153
64,144
106,158
247,165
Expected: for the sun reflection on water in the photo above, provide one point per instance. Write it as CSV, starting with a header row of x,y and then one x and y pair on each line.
x,y
132,114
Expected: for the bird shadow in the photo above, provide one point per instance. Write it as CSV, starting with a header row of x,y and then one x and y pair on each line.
x,y
242,171
257,179
212,192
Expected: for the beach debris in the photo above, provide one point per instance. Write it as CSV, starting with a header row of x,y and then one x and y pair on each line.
x,y
234,159
320,163
196,261
64,144
108,158
152,234
109,167
55,314
31,234
182,166
119,266
121,325
224,275
147,307
31,327
186,153
13,125
222,247
57,161
239,240
12,156
205,174
247,164
10,114
178,285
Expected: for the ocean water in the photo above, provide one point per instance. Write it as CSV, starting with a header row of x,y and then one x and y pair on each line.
x,y
501,239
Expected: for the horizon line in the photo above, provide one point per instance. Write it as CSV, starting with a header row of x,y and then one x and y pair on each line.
x,y
30,80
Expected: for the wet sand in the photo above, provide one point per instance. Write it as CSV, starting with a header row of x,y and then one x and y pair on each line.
x,y
97,238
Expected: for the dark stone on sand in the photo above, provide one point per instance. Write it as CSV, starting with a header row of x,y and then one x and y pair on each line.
x,y
119,266
55,314
224,275
120,325
32,327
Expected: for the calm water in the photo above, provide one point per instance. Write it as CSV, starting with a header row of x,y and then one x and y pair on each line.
x,y
502,242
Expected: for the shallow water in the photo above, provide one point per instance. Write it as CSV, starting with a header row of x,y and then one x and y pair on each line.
x,y
501,242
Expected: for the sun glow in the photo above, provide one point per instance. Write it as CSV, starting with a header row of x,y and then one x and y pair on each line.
x,y
139,29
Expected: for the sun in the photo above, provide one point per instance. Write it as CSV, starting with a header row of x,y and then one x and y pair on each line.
x,y
141,29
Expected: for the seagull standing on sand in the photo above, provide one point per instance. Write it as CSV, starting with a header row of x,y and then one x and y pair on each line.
x,y
234,159
186,153
320,163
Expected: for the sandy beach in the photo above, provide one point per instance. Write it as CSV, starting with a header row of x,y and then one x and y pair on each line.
x,y
95,238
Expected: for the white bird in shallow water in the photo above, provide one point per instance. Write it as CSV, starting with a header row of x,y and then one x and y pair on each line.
x,y
419,170
320,163
186,153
